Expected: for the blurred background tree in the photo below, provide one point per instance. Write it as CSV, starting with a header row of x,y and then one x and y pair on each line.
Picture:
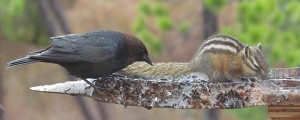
x,y
143,28
21,22
172,30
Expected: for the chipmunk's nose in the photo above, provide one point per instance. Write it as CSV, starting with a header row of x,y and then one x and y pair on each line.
x,y
263,74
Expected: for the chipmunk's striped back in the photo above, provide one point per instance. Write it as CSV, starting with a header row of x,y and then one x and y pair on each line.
x,y
221,43
225,58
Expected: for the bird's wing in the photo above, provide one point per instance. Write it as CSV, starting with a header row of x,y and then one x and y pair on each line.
x,y
74,48
97,46
55,55
95,54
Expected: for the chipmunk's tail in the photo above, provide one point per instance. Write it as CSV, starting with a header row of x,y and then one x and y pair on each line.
x,y
142,69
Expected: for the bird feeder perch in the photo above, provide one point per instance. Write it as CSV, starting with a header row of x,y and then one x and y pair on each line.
x,y
281,92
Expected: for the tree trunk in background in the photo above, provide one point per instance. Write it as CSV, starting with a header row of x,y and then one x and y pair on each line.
x,y
1,82
210,28
44,11
210,22
1,95
58,20
103,111
58,12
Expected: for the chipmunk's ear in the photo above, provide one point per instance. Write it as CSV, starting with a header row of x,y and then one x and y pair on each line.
x,y
259,46
247,51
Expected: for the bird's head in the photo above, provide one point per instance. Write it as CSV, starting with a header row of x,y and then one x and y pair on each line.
x,y
138,50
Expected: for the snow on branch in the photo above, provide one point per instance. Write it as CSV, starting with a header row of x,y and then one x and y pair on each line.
x,y
188,92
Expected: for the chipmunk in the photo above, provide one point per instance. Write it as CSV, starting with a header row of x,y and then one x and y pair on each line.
x,y
222,58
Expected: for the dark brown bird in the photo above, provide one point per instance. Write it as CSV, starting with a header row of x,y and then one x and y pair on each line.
x,y
90,55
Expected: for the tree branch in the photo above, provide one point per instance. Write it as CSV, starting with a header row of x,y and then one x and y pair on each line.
x,y
188,92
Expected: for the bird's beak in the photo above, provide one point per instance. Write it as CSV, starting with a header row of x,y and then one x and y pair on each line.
x,y
147,60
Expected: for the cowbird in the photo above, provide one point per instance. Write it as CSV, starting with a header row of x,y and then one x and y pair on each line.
x,y
91,55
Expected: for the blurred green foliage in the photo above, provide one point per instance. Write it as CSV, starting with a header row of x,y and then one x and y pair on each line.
x,y
20,22
149,13
164,23
214,5
273,23
253,113
184,28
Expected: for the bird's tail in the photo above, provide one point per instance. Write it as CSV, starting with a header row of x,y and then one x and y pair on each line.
x,y
21,61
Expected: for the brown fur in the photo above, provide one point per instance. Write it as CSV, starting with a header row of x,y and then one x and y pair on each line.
x,y
172,69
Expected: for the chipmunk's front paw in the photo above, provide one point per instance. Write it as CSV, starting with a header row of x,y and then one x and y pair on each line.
x,y
249,79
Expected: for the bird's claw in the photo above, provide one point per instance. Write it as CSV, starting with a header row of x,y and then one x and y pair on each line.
x,y
92,85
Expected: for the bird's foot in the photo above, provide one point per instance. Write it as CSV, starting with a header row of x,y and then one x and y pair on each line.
x,y
92,85
101,80
103,83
